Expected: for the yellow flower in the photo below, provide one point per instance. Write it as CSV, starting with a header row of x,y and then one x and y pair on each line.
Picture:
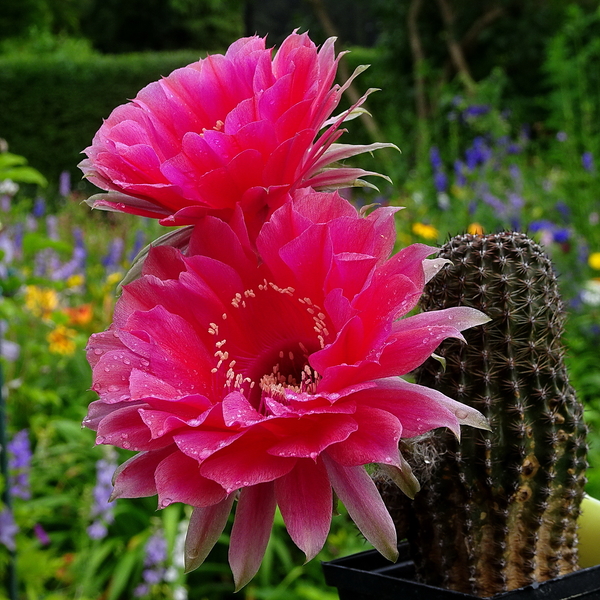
x,y
114,278
61,340
475,229
41,302
594,260
429,232
75,281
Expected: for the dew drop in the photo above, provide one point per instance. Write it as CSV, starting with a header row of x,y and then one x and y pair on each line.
x,y
97,351
113,388
100,439
126,361
106,370
461,414
126,445
165,502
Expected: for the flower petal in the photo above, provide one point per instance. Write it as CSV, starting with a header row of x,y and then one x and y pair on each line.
x,y
251,531
359,495
305,500
206,525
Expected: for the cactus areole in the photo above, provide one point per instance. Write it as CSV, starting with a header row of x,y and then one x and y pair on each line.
x,y
499,509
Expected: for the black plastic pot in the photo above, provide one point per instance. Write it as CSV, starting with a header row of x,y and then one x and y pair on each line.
x,y
369,576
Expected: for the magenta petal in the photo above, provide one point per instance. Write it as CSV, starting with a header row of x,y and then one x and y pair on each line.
x,y
178,479
374,441
359,495
135,477
305,500
251,531
206,525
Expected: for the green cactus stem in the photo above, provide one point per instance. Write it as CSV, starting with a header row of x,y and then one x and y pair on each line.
x,y
499,510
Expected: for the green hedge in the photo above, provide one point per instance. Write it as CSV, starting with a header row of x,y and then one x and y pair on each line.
x,y
52,106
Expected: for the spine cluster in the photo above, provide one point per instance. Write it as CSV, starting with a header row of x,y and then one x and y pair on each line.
x,y
500,508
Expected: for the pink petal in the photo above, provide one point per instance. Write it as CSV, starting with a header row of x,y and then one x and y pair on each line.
x,y
246,462
305,500
135,477
374,441
419,408
359,495
251,531
309,436
178,479
205,528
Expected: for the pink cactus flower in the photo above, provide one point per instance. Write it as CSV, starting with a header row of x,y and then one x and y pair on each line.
x,y
274,380
239,128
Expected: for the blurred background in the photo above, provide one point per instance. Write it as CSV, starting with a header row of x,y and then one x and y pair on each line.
x,y
495,105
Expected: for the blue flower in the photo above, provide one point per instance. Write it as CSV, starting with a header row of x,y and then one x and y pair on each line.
x,y
587,160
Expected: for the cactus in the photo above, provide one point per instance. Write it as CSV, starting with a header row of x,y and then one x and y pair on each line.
x,y
500,509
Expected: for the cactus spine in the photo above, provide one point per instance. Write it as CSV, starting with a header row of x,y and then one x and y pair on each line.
x,y
500,508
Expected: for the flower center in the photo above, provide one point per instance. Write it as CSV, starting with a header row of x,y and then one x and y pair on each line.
x,y
271,359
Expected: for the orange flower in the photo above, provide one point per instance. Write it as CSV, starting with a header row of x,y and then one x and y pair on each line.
x,y
79,315
475,229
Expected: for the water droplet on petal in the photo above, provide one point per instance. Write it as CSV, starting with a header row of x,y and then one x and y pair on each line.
x,y
100,439
461,414
97,351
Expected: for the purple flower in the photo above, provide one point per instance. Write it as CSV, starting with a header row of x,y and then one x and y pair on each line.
x,y
8,350
515,201
97,530
540,225
41,535
563,209
459,171
515,173
77,262
19,463
52,227
435,157
8,529
478,154
587,160
154,561
475,110
561,136
561,235
440,181
102,509
39,207
112,259
138,244
64,185
495,203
